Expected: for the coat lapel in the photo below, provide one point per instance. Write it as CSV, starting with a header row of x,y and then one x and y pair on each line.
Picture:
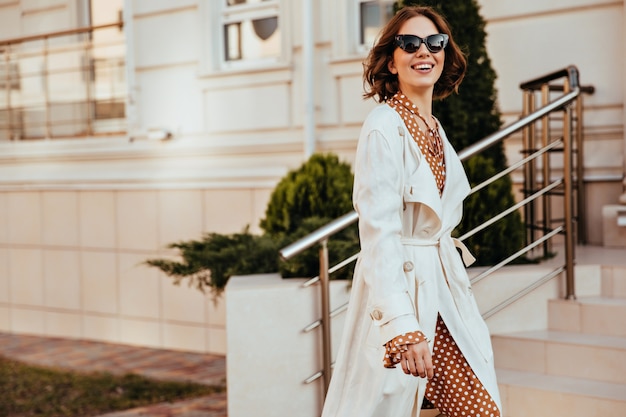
x,y
457,186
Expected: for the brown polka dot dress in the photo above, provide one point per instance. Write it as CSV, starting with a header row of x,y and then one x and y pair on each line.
x,y
454,389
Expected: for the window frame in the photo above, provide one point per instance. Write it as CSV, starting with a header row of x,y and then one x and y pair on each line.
x,y
217,14
362,47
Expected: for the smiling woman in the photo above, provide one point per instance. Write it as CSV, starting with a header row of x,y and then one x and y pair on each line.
x,y
412,332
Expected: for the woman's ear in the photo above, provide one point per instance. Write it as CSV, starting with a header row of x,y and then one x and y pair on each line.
x,y
391,66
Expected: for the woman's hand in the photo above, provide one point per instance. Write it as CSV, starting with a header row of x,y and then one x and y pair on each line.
x,y
417,360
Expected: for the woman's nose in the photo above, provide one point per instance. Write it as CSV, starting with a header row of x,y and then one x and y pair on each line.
x,y
422,50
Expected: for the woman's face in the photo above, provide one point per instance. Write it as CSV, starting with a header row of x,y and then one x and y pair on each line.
x,y
418,71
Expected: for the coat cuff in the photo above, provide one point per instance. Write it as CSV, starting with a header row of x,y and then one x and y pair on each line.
x,y
394,315
399,325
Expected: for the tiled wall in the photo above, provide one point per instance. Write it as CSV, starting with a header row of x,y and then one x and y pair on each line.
x,y
71,264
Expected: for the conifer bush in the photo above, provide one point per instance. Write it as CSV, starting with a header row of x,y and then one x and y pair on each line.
x,y
305,199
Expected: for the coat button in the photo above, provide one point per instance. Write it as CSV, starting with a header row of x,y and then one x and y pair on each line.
x,y
407,266
377,314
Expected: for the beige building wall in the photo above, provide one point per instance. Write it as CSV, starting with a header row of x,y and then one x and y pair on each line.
x,y
78,217
529,39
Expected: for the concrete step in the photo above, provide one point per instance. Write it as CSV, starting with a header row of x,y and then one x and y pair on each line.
x,y
576,355
614,281
589,315
529,394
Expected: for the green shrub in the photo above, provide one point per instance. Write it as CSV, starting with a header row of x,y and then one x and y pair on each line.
x,y
322,187
304,200
209,263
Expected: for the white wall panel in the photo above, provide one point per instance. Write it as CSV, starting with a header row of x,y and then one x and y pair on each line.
x,y
27,321
166,39
4,218
31,5
61,271
5,288
10,18
155,6
43,16
251,108
353,108
328,96
495,9
99,283
140,294
170,98
63,325
137,220
96,216
140,333
26,276
525,49
24,214
59,218
5,319
182,303
180,215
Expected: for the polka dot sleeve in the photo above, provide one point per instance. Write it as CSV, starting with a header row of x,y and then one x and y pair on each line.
x,y
398,345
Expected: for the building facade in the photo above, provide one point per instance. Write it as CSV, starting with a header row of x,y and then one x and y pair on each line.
x,y
196,109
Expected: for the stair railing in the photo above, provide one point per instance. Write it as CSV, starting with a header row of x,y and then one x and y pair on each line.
x,y
535,191
69,83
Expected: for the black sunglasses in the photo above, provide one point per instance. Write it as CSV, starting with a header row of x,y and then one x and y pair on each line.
x,y
411,43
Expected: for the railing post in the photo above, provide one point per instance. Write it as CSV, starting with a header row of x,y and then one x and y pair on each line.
x,y
325,304
89,74
545,202
526,146
7,87
46,91
568,203
580,172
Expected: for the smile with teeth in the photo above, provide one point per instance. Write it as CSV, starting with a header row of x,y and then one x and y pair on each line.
x,y
422,66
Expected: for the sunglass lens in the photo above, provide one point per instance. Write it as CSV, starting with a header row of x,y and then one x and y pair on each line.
x,y
412,44
436,43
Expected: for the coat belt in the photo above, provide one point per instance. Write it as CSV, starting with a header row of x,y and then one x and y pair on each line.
x,y
467,256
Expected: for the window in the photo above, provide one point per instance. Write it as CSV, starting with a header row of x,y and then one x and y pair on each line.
x,y
251,30
373,15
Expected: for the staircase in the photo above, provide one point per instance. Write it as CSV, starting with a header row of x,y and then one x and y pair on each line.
x,y
576,368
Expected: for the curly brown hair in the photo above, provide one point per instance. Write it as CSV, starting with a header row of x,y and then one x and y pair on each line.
x,y
381,84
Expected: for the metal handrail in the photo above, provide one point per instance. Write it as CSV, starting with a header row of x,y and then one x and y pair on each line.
x,y
523,292
85,94
572,91
347,219
514,127
318,235
75,31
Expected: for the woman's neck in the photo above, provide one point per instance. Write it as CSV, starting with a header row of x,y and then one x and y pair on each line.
x,y
423,101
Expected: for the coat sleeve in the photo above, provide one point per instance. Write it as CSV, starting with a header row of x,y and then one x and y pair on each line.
x,y
377,196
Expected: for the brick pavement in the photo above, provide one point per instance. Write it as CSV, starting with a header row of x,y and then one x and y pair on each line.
x,y
90,356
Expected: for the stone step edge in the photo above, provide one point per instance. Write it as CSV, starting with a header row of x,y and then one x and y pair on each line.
x,y
563,385
570,338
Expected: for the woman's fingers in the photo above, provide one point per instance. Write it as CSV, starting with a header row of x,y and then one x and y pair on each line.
x,y
417,361
405,365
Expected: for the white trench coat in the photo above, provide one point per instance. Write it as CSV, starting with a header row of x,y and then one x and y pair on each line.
x,y
408,272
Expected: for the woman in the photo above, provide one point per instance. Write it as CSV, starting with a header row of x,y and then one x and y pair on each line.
x,y
413,329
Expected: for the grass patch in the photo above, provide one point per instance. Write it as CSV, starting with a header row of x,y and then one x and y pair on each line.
x,y
27,390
